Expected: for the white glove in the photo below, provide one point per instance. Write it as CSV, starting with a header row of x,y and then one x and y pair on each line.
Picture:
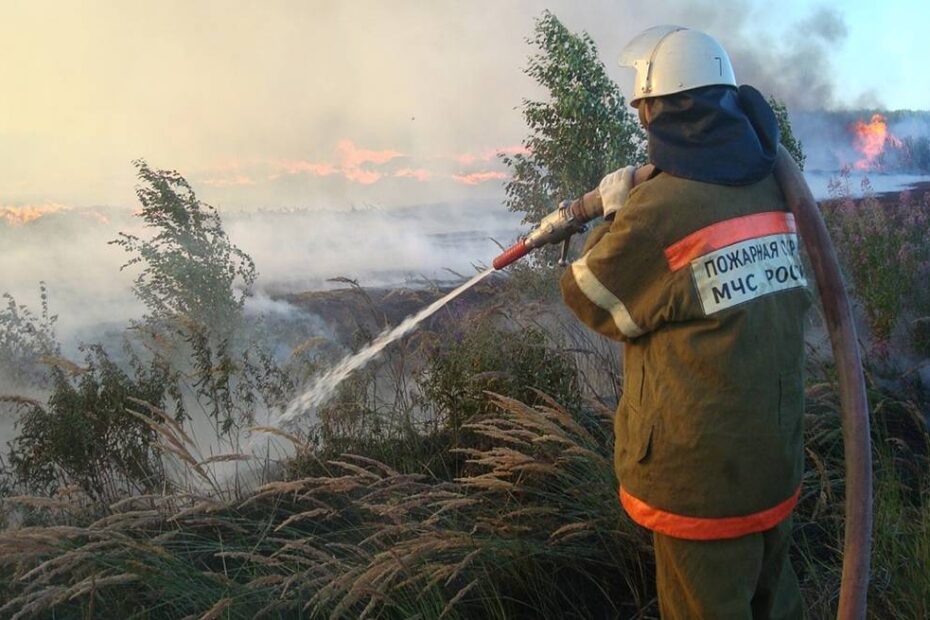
x,y
615,188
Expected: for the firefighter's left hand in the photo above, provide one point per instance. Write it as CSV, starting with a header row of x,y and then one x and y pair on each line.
x,y
615,188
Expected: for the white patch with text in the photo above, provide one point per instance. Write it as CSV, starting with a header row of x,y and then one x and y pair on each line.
x,y
748,270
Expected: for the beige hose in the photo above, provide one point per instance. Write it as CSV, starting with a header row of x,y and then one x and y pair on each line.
x,y
855,408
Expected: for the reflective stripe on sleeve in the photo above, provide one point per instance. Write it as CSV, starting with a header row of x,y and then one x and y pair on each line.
x,y
705,528
719,235
601,297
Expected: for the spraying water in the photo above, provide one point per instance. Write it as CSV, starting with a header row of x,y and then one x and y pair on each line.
x,y
326,384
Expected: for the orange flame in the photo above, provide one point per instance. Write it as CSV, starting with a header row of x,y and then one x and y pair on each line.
x,y
870,140
475,178
23,214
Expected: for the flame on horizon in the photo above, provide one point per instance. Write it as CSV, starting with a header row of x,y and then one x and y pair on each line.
x,y
870,140
474,178
20,215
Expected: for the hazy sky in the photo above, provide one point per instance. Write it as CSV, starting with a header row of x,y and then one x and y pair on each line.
x,y
333,103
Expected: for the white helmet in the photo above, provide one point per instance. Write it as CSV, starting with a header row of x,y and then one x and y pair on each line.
x,y
670,59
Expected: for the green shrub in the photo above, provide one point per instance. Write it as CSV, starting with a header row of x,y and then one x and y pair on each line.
x,y
193,282
786,134
884,248
85,437
27,342
582,131
899,584
518,364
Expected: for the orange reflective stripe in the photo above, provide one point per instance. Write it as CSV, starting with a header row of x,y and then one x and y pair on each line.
x,y
704,528
725,233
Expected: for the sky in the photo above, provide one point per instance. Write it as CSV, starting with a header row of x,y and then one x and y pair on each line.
x,y
329,104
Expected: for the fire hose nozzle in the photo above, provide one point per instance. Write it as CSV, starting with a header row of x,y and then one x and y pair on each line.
x,y
511,255
558,227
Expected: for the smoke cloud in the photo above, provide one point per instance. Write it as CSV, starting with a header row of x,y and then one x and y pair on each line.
x,y
294,250
794,63
221,96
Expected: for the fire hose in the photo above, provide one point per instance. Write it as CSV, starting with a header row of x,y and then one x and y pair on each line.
x,y
572,216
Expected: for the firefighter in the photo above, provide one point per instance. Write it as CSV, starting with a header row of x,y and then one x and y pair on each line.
x,y
697,271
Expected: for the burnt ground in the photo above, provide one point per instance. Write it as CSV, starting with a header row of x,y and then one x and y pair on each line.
x,y
916,190
354,310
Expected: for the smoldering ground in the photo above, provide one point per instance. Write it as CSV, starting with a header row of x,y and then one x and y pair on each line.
x,y
295,250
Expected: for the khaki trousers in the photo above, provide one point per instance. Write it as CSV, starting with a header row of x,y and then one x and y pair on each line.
x,y
739,578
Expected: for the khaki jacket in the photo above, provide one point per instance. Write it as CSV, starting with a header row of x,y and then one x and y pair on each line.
x,y
705,286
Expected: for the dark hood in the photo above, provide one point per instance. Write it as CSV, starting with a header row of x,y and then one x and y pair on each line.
x,y
714,134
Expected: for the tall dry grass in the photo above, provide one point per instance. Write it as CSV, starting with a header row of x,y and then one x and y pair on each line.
x,y
535,507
